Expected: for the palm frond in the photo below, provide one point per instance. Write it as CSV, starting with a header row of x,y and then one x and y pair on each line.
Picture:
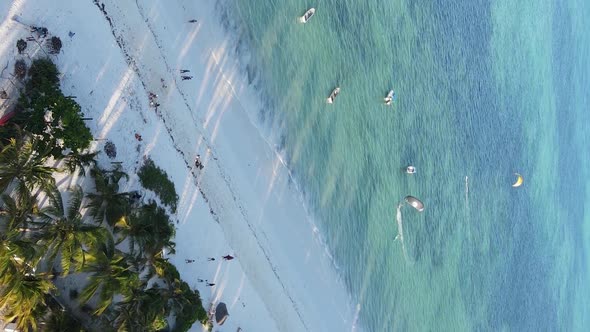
x,y
90,289
66,260
75,203
95,207
75,160
56,205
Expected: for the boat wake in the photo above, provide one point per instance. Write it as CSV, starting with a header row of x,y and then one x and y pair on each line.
x,y
400,231
466,191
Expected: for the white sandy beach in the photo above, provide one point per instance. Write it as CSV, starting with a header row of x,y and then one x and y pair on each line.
x,y
242,203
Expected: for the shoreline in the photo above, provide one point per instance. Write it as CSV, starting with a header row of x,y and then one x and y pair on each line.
x,y
277,281
229,114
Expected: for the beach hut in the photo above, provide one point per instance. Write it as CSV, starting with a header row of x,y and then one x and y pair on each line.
x,y
221,313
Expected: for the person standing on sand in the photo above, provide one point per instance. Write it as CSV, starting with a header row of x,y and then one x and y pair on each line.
x,y
198,163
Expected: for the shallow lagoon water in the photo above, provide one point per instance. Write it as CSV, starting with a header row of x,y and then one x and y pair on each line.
x,y
483,90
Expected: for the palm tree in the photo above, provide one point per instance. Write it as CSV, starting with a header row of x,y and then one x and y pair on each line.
x,y
162,269
149,230
22,162
108,203
111,273
59,319
18,213
23,299
142,310
22,291
18,253
76,160
178,295
65,232
18,256
183,301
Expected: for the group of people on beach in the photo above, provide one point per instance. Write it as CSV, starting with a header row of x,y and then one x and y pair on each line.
x,y
153,100
185,77
210,284
226,257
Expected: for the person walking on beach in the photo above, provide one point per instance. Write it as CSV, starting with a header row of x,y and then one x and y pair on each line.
x,y
154,100
198,163
184,78
228,257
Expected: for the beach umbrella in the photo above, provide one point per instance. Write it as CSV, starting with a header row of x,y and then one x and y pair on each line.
x,y
221,313
415,203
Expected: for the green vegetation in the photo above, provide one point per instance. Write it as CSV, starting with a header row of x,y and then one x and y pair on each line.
x,y
45,112
154,178
22,164
190,311
184,300
38,244
107,203
65,233
58,319
111,274
149,228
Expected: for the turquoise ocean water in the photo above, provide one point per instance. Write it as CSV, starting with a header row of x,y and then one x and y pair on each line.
x,y
484,89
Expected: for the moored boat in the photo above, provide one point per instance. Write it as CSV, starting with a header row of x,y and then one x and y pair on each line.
x,y
308,14
415,203
333,95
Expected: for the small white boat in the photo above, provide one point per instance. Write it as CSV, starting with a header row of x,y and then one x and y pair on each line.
x,y
333,95
308,14
415,203
389,98
411,170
